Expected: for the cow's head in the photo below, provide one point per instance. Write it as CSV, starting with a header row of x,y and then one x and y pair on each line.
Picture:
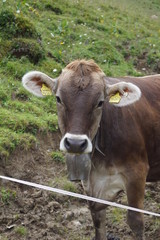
x,y
80,90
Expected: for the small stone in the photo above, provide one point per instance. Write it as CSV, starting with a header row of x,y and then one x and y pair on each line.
x,y
37,194
54,204
69,215
50,225
76,223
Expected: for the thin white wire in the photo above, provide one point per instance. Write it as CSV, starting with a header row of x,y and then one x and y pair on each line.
x,y
76,195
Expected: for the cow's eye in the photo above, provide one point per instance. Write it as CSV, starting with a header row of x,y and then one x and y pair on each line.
x,y
100,104
58,99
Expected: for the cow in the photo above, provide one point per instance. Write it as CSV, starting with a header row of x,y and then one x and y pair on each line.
x,y
110,132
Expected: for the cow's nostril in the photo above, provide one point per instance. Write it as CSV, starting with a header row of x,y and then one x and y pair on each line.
x,y
75,145
67,143
84,144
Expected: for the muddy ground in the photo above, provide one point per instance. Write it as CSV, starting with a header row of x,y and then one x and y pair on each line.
x,y
32,214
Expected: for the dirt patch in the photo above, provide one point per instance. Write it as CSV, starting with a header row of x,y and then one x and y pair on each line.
x,y
31,214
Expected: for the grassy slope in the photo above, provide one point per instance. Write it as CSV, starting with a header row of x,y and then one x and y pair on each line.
x,y
46,35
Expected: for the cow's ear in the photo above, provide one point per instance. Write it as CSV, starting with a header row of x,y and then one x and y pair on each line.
x,y
39,83
123,93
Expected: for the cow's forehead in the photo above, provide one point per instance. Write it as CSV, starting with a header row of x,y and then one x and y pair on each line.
x,y
81,76
71,79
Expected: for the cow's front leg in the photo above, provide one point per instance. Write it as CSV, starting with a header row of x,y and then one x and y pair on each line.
x,y
136,223
99,220
135,195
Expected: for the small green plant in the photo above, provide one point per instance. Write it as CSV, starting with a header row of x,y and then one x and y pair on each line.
x,y
6,195
148,195
69,186
21,230
64,183
117,215
63,27
58,157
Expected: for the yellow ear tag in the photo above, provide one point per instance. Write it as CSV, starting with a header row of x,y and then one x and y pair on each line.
x,y
115,98
45,90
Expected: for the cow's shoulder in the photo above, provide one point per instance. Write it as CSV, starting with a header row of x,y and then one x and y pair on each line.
x,y
133,129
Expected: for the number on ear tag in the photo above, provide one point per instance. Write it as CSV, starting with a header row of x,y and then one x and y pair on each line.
x,y
115,99
46,91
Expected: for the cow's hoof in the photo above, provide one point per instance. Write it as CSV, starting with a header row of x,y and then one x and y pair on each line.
x,y
111,237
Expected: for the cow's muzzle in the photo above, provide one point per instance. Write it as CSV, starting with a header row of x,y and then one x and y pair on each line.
x,y
76,143
78,166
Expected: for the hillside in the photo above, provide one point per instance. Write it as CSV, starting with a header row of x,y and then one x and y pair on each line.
x,y
123,37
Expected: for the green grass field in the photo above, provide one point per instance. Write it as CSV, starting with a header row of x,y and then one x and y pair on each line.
x,y
123,37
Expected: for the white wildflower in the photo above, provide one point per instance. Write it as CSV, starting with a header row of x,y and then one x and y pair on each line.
x,y
55,70
18,11
52,34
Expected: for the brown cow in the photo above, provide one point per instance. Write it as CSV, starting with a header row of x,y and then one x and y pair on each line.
x,y
110,146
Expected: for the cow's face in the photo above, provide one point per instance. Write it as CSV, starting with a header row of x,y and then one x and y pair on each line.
x,y
80,100
80,92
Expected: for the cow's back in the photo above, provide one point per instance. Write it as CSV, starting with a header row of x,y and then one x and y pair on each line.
x,y
133,132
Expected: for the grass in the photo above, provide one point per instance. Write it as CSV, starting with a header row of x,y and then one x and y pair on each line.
x,y
46,35
21,231
65,184
117,215
6,195
58,157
